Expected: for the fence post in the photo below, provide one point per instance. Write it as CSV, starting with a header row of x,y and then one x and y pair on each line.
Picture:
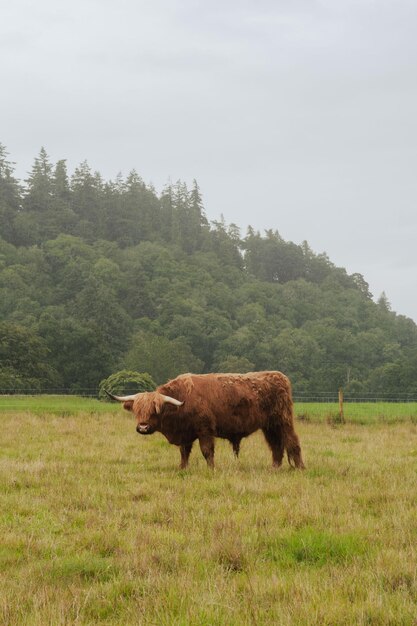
x,y
341,415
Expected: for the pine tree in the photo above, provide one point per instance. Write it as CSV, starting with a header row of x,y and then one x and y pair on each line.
x,y
61,188
39,191
181,215
86,199
142,209
10,197
167,212
196,204
188,216
64,217
383,302
33,223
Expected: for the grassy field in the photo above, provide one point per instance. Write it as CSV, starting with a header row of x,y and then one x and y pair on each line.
x,y
358,412
98,526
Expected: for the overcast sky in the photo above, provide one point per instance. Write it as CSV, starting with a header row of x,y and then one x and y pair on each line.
x,y
296,115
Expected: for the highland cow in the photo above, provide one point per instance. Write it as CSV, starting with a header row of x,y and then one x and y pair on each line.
x,y
229,406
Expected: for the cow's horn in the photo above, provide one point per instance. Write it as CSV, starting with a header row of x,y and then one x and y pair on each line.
x,y
120,398
173,401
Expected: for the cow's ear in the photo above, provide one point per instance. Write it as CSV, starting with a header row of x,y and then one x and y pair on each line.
x,y
128,405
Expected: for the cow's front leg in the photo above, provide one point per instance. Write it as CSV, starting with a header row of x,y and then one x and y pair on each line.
x,y
185,454
235,441
207,448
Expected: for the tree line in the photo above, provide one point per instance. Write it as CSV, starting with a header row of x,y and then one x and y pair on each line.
x,y
98,276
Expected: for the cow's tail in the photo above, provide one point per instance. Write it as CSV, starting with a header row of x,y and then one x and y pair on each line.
x,y
290,438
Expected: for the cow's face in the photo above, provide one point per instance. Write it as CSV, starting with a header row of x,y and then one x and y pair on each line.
x,y
148,409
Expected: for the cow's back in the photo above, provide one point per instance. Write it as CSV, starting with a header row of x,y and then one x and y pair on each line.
x,y
237,403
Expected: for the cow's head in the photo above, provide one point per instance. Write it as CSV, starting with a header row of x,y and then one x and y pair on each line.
x,y
147,408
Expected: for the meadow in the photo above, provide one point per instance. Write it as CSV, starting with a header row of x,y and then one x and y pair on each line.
x,y
99,526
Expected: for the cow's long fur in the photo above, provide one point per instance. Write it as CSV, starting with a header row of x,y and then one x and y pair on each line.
x,y
230,406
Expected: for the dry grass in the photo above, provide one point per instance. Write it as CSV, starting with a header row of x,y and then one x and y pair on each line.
x,y
98,526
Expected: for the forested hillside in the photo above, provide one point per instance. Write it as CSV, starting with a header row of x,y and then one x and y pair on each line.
x,y
99,275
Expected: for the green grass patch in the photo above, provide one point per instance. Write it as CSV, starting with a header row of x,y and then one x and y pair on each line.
x,y
64,406
309,546
357,412
85,566
11,555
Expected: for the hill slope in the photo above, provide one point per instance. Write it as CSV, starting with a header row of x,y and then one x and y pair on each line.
x,y
98,275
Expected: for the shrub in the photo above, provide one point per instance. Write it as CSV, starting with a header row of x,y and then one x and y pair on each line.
x,y
126,382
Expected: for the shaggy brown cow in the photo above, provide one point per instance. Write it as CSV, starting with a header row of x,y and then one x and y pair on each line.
x,y
230,406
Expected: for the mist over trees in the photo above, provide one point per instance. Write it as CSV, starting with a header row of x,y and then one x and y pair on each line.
x,y
97,276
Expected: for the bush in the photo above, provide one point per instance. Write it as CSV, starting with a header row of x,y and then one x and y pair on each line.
x,y
126,382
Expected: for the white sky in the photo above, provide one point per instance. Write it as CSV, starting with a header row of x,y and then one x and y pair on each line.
x,y
298,115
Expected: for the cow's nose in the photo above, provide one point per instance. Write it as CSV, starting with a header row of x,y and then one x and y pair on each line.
x,y
142,428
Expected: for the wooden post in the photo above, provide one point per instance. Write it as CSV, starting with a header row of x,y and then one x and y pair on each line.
x,y
341,415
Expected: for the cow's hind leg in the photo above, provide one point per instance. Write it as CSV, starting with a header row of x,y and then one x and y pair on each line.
x,y
207,448
292,446
185,454
276,443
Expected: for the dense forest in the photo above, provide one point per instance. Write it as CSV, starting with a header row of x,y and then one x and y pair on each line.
x,y
96,276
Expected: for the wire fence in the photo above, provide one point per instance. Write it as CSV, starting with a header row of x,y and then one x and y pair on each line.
x,y
334,396
322,397
85,393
